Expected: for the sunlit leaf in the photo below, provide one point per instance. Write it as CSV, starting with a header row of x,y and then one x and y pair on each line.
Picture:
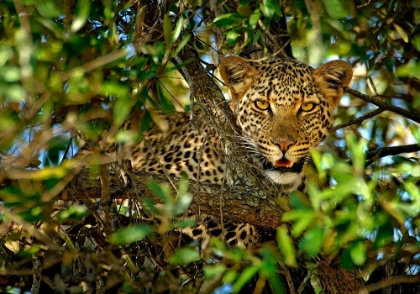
x,y
130,234
73,212
231,37
184,256
177,30
286,246
312,240
337,9
253,19
228,19
81,16
121,109
210,270
271,8
358,253
48,8
9,74
402,33
245,276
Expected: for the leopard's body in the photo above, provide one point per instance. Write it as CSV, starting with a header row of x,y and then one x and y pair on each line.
x,y
283,107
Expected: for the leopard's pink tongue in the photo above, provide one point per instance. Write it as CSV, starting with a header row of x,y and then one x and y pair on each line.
x,y
284,163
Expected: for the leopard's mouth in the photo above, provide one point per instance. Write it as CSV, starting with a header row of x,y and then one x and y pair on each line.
x,y
283,165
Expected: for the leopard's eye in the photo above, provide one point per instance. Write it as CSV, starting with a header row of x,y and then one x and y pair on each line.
x,y
306,107
261,104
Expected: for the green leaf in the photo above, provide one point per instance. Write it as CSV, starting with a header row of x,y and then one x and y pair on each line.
x,y
9,74
167,31
163,192
232,37
73,212
12,93
256,37
178,29
229,276
121,110
357,152
81,16
410,69
389,64
402,33
166,105
245,277
184,256
345,259
271,8
338,9
181,45
358,253
211,270
48,8
253,19
311,242
303,219
286,246
130,234
5,54
183,202
228,19
245,11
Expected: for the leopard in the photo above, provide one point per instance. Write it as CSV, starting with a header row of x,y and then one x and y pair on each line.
x,y
283,107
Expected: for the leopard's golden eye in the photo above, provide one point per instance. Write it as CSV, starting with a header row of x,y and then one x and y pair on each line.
x,y
308,106
261,104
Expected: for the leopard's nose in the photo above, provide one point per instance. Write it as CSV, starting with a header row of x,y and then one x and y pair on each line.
x,y
283,144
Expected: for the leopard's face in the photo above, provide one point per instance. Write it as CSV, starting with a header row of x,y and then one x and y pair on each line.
x,y
284,108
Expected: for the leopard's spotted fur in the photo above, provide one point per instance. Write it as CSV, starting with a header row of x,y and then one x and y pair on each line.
x,y
283,107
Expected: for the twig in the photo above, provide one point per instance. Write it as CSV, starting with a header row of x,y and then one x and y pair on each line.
x,y
30,228
96,63
384,106
106,198
358,120
37,274
288,278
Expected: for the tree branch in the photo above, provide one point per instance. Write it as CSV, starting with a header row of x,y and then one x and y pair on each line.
x,y
386,151
385,106
239,204
389,282
358,120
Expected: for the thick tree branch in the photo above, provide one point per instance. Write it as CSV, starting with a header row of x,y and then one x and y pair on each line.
x,y
239,204
385,106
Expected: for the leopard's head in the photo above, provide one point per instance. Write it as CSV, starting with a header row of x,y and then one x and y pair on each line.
x,y
284,108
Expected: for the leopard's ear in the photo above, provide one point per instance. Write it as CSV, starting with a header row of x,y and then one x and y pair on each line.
x,y
333,77
237,74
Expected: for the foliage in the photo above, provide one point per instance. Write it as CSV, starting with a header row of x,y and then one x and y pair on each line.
x,y
71,69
